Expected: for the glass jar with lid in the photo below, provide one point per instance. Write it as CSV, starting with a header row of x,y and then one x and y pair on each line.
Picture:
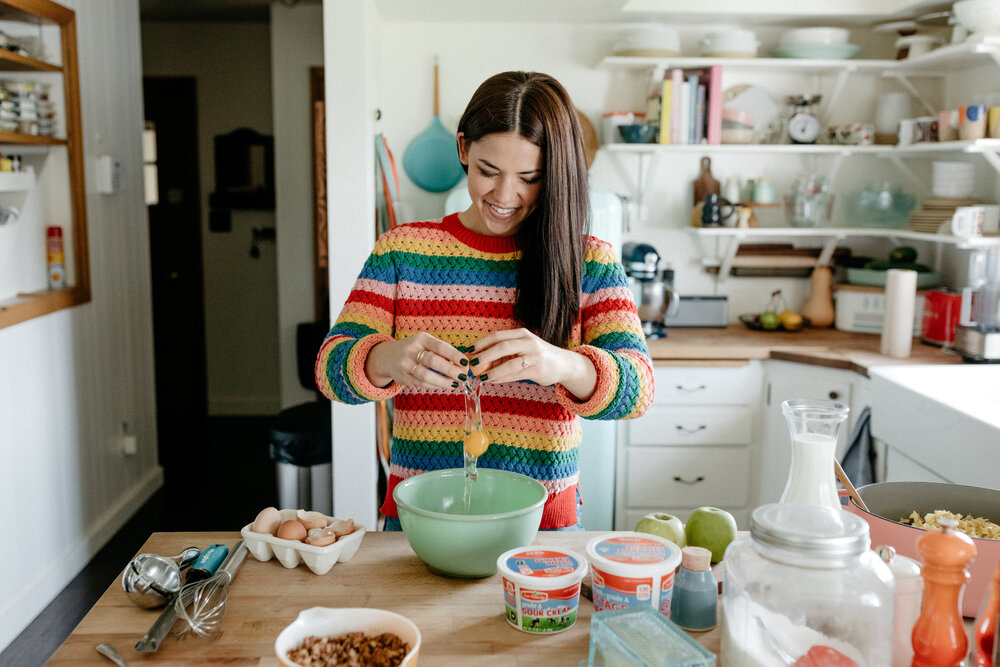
x,y
804,582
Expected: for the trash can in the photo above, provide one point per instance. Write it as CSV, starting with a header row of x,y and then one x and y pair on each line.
x,y
301,447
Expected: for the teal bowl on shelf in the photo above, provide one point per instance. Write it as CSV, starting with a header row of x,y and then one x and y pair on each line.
x,y
816,51
878,208
637,133
505,512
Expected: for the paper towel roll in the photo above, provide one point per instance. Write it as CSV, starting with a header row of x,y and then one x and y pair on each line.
x,y
897,329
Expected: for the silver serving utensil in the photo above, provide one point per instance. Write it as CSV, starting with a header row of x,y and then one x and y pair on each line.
x,y
112,654
150,580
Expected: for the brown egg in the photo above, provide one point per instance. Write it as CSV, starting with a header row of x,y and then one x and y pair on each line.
x,y
291,530
267,521
311,519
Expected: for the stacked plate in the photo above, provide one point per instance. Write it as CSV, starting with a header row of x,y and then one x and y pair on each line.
x,y
953,180
935,211
817,42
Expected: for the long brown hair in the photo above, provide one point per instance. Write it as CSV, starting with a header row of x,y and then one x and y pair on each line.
x,y
537,107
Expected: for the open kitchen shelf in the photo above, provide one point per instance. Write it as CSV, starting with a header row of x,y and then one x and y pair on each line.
x,y
46,14
726,240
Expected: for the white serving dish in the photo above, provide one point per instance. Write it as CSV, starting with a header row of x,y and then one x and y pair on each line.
x,y
816,35
290,553
330,622
729,43
655,41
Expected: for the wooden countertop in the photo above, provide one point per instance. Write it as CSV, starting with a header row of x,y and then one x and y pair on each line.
x,y
823,347
461,620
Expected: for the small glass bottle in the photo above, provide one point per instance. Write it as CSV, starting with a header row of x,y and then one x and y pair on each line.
x,y
939,634
695,602
814,426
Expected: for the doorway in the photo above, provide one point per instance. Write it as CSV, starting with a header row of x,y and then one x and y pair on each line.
x,y
176,267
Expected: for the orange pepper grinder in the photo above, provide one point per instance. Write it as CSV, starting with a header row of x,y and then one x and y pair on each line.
x,y
939,634
986,626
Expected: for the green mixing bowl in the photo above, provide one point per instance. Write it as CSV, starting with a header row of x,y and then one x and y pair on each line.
x,y
505,512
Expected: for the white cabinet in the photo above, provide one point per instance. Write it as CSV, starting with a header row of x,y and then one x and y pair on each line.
x,y
693,447
786,381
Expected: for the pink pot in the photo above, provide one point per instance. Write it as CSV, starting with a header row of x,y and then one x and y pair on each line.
x,y
890,501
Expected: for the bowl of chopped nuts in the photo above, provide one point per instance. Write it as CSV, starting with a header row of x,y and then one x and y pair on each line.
x,y
322,636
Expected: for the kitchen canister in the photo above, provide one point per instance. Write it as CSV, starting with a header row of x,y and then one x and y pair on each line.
x,y
541,587
804,584
630,569
909,588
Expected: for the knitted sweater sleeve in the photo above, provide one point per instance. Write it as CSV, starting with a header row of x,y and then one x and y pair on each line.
x,y
367,319
612,338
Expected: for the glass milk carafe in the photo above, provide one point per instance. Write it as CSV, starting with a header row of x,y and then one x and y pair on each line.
x,y
814,426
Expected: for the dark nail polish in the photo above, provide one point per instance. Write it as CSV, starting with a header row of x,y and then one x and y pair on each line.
x,y
483,377
475,362
454,385
464,362
472,348
463,377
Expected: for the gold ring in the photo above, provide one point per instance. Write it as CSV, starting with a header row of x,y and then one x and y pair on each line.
x,y
414,369
420,356
524,363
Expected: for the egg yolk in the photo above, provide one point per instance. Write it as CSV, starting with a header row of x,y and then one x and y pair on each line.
x,y
476,443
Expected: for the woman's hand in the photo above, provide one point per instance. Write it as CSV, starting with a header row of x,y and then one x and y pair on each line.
x,y
412,362
518,354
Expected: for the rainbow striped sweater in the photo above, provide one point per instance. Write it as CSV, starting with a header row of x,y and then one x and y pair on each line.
x,y
458,285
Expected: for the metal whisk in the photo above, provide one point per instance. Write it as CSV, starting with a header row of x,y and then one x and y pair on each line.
x,y
202,605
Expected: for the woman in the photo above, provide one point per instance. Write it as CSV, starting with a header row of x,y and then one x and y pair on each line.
x,y
510,289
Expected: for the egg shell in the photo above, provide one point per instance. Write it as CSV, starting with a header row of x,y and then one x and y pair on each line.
x,y
311,519
267,521
291,530
341,527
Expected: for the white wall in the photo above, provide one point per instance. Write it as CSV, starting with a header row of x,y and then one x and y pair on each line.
x,y
69,380
296,45
232,65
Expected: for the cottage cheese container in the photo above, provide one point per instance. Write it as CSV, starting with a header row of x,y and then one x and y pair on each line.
x,y
805,583
541,587
633,570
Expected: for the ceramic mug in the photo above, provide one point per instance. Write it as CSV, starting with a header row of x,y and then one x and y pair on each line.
x,y
993,122
973,122
967,222
907,130
948,125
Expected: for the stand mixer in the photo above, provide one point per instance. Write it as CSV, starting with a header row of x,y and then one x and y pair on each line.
x,y
977,336
652,287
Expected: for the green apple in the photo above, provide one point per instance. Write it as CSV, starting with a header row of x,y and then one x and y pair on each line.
x,y
664,525
711,528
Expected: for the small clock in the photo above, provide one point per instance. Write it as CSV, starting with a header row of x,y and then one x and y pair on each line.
x,y
803,128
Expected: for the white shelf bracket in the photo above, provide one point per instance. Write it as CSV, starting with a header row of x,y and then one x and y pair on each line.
x,y
838,88
910,88
908,173
838,161
992,159
826,254
726,263
639,182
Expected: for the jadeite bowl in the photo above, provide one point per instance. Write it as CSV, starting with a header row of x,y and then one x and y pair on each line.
x,y
505,512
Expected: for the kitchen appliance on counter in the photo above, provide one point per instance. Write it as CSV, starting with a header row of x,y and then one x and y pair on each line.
x,y
977,336
940,316
698,311
652,287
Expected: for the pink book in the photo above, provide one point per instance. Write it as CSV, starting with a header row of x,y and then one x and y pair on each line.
x,y
677,77
712,78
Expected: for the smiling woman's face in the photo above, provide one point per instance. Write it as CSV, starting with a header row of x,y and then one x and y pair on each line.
x,y
505,176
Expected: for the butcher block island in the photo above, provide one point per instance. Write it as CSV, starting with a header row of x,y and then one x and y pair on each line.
x,y
461,620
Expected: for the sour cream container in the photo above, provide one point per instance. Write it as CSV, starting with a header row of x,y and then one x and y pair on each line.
x,y
633,570
541,587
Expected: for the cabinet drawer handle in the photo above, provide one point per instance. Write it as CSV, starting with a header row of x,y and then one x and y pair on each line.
x,y
690,390
699,478
834,395
689,431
